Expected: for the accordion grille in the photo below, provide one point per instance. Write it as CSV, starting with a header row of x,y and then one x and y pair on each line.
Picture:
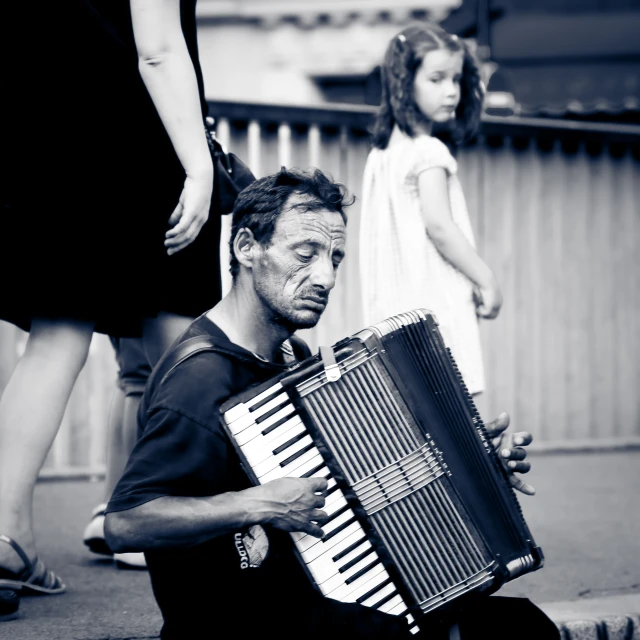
x,y
400,479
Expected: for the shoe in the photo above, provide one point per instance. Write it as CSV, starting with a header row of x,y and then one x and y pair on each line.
x,y
130,560
93,536
35,577
9,604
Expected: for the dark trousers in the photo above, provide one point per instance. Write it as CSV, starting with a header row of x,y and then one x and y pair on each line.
x,y
495,618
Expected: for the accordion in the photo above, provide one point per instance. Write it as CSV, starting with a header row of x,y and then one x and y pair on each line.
x,y
421,511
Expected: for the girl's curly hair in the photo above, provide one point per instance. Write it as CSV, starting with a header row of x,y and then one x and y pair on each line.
x,y
404,55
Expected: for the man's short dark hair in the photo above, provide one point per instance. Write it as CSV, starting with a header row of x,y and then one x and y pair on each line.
x,y
258,206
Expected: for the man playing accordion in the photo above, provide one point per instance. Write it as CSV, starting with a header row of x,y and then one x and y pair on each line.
x,y
219,554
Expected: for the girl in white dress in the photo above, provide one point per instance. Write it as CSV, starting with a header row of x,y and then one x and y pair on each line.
x,y
417,248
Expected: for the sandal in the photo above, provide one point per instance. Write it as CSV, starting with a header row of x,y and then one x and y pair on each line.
x,y
35,577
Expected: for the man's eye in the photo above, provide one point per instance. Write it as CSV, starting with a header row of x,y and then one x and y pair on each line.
x,y
305,256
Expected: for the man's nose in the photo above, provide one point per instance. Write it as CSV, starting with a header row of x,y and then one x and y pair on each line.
x,y
324,274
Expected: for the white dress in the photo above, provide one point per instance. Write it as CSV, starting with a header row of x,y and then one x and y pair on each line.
x,y
400,267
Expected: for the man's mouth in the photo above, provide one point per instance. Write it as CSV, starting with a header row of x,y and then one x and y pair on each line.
x,y
314,301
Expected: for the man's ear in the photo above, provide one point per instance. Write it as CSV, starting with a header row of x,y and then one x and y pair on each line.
x,y
244,247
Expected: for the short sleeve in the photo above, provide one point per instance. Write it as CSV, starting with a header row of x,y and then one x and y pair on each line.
x,y
429,153
176,456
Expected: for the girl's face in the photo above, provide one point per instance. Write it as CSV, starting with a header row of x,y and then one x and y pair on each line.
x,y
436,85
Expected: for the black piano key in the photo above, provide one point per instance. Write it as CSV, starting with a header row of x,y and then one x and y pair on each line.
x,y
277,424
371,592
362,571
358,558
297,454
349,549
288,443
314,470
275,409
384,600
264,401
337,530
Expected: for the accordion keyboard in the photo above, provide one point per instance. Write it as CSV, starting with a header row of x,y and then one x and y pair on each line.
x,y
344,565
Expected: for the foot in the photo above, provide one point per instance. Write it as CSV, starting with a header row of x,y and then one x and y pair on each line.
x,y
93,536
130,560
32,577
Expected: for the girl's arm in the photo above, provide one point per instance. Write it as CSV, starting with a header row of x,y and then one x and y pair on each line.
x,y
451,242
168,74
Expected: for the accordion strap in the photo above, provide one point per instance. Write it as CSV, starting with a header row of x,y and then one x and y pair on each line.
x,y
331,369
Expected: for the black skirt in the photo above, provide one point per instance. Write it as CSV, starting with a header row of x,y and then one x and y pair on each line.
x,y
90,177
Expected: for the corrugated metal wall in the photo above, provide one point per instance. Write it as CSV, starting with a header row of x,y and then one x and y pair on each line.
x,y
559,226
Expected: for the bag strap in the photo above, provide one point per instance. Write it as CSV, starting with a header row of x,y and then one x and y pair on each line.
x,y
177,356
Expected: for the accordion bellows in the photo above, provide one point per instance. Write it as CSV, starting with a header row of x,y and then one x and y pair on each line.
x,y
421,509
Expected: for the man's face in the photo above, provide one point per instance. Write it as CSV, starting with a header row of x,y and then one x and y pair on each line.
x,y
295,273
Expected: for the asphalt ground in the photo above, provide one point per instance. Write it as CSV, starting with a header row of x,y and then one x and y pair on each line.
x,y
585,516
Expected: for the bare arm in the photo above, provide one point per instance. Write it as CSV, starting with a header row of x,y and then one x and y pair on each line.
x,y
451,242
169,76
290,504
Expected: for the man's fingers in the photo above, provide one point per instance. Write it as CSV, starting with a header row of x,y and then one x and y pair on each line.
x,y
497,426
312,529
515,453
521,486
519,466
318,485
318,516
522,438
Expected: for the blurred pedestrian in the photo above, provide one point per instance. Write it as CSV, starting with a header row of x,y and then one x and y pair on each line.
x,y
107,182
133,373
417,247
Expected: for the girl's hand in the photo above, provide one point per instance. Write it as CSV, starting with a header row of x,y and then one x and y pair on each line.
x,y
488,301
191,213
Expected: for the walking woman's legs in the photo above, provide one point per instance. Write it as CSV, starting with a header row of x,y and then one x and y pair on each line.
x,y
31,411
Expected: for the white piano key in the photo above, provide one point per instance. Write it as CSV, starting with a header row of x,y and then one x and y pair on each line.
x,y
239,425
339,579
336,522
271,391
274,461
351,592
399,608
325,566
319,554
334,545
236,412
392,604
309,460
256,429
311,548
262,447
334,502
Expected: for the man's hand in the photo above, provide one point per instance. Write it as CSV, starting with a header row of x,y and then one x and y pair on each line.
x,y
294,504
510,449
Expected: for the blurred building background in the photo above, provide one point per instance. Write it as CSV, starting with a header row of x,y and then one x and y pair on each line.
x,y
552,182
